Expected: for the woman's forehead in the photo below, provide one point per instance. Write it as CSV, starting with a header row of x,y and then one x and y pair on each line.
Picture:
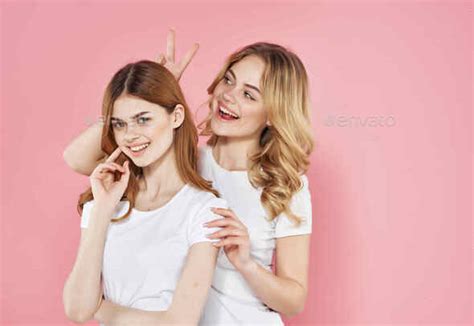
x,y
127,106
249,70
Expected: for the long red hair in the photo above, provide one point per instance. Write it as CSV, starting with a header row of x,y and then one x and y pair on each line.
x,y
151,82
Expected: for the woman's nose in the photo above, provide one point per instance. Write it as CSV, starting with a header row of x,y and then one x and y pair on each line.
x,y
130,134
228,97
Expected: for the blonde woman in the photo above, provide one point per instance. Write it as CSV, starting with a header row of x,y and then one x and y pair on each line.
x,y
256,158
143,243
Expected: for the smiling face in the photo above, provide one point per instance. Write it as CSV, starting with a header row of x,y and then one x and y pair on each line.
x,y
237,103
143,130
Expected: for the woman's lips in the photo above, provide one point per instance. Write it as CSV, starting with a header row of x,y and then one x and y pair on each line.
x,y
138,150
225,114
226,111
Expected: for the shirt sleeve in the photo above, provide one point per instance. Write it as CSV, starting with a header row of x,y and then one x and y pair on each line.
x,y
300,205
86,213
197,232
120,210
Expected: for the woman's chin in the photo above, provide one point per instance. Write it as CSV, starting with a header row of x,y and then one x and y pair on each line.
x,y
139,162
218,129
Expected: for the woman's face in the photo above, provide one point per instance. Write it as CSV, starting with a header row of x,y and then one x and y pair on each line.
x,y
237,102
142,130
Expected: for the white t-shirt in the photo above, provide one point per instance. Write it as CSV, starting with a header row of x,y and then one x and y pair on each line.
x,y
145,253
231,300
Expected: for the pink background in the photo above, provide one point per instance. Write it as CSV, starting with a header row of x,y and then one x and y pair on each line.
x,y
392,201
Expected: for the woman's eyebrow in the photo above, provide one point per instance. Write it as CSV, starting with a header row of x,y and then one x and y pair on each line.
x,y
134,117
248,85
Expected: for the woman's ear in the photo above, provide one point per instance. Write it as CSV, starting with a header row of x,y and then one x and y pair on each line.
x,y
178,116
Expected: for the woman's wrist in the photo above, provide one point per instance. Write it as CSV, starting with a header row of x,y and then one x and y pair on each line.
x,y
104,209
248,268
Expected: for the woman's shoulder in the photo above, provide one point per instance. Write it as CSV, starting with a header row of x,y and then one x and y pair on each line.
x,y
120,208
301,206
303,191
201,198
304,180
198,208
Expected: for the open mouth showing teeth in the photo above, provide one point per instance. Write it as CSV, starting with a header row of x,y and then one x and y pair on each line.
x,y
226,114
139,148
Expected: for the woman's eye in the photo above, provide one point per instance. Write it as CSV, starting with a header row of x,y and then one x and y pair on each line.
x,y
142,120
227,80
249,96
117,125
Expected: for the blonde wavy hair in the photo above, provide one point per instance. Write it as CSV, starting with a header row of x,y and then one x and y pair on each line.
x,y
286,144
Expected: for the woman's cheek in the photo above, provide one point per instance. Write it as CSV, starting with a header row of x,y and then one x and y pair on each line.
x,y
118,138
257,115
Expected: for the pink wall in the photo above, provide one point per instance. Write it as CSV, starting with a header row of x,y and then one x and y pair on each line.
x,y
392,201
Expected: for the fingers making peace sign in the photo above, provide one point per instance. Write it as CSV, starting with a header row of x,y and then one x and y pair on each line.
x,y
168,60
106,190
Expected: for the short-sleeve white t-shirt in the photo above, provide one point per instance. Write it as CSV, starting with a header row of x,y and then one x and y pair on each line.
x,y
231,300
145,253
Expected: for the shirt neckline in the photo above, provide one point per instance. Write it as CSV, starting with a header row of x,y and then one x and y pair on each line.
x,y
214,162
168,203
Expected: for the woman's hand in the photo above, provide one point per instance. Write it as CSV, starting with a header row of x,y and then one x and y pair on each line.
x,y
106,190
168,60
233,237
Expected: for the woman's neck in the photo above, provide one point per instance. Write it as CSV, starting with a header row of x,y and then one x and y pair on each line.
x,y
161,177
233,153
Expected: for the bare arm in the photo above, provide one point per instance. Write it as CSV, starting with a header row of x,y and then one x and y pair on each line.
x,y
84,152
286,290
188,299
82,289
